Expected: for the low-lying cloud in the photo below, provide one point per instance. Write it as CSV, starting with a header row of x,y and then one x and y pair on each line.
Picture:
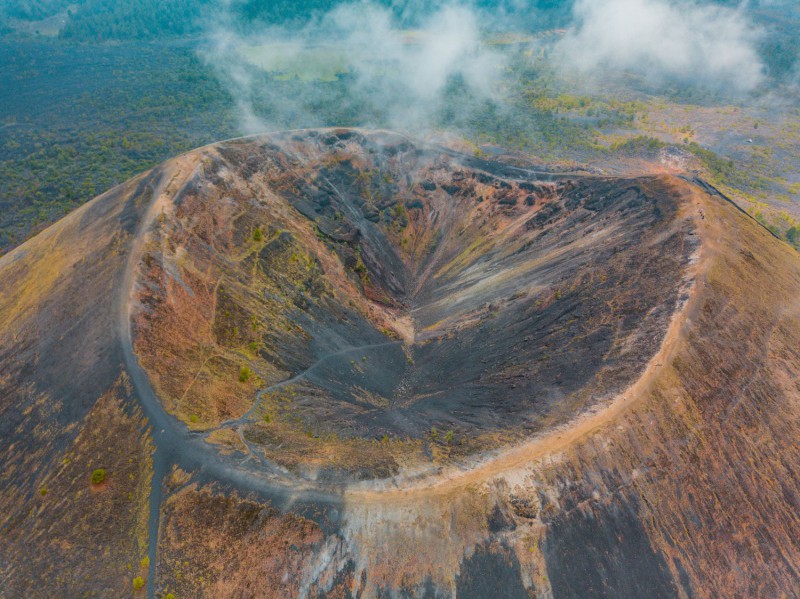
x,y
356,58
358,64
711,45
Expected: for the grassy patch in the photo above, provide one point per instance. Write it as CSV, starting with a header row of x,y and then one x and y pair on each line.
x,y
245,374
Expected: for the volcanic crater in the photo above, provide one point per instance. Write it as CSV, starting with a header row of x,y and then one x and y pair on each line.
x,y
342,363
343,304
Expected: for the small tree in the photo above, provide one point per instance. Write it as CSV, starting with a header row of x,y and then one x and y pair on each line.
x,y
138,583
98,476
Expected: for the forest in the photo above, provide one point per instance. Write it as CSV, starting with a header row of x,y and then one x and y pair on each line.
x,y
133,90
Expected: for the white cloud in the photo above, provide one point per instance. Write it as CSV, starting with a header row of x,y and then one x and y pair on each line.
x,y
707,44
396,73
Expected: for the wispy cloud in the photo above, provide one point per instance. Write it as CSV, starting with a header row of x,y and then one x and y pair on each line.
x,y
394,76
691,42
361,66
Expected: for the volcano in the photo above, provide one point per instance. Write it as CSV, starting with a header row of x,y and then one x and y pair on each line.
x,y
369,289
344,362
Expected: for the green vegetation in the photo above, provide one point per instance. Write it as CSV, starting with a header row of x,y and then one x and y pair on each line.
x,y
33,10
640,145
98,476
361,268
95,20
123,108
105,114
133,19
148,19
719,168
138,583
245,374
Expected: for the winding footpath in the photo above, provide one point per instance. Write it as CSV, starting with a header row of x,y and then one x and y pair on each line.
x,y
279,385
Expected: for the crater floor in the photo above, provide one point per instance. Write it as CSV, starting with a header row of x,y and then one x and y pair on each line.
x,y
342,303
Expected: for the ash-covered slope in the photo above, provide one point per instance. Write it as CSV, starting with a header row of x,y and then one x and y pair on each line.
x,y
354,365
369,289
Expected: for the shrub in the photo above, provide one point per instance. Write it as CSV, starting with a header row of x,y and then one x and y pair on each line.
x,y
98,476
641,144
448,437
244,374
138,583
258,235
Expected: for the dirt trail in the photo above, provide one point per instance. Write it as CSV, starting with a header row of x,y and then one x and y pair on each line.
x,y
279,385
157,419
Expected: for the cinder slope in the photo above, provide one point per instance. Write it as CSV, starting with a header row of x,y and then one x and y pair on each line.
x,y
676,476
67,408
305,296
